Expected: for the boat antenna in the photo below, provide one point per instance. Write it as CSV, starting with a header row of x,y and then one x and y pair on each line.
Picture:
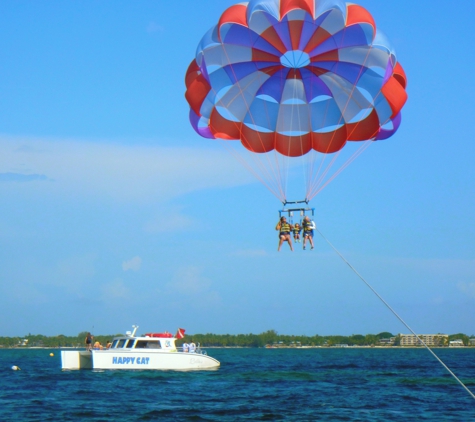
x,y
397,316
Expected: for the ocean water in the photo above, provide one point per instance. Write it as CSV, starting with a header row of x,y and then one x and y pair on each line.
x,y
251,385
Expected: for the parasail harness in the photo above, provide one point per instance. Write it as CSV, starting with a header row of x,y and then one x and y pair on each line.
x,y
301,211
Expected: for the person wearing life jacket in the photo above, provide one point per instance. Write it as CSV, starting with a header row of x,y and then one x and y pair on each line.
x,y
284,229
308,227
296,231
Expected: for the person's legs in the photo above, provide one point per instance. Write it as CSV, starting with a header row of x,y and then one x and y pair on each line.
x,y
281,240
289,239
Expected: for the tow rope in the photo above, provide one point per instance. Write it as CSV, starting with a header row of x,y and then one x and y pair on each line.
x,y
396,314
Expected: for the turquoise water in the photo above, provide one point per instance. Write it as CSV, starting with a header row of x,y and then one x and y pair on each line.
x,y
252,384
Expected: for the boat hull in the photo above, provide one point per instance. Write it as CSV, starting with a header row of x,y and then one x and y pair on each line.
x,y
136,359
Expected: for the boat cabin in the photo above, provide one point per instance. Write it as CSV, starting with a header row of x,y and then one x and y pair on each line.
x,y
164,341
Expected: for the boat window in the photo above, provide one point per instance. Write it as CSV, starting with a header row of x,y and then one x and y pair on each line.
x,y
153,345
144,344
114,344
130,343
121,343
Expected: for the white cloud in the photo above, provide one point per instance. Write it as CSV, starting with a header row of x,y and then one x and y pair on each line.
x,y
27,294
80,267
467,288
19,177
175,221
118,171
190,288
189,281
133,264
438,300
153,27
115,289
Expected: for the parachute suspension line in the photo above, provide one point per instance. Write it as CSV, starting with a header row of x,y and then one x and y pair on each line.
x,y
396,314
268,170
280,166
259,171
245,164
322,174
279,172
295,109
319,183
305,157
233,87
317,156
366,143
316,182
282,158
356,154
322,156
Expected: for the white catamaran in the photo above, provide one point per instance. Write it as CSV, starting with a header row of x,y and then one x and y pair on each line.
x,y
151,351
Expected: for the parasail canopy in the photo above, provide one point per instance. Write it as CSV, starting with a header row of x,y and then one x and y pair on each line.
x,y
295,78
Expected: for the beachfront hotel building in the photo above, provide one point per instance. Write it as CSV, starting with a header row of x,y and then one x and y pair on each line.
x,y
428,339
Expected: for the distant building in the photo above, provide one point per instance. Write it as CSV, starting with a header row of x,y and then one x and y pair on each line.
x,y
387,341
471,342
456,343
428,339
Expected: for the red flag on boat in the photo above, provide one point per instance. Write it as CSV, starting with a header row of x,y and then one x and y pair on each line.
x,y
180,333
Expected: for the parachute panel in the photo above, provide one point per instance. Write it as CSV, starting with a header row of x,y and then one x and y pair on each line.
x,y
295,76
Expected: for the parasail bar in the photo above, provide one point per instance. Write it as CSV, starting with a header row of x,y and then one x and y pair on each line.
x,y
290,211
305,201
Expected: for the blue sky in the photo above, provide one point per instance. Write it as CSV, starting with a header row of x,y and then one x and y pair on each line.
x,y
115,212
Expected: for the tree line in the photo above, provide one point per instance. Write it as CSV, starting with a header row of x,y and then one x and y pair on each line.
x,y
267,338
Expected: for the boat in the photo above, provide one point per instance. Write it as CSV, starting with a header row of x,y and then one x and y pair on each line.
x,y
156,351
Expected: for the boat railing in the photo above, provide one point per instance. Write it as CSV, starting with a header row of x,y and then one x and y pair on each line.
x,y
198,350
